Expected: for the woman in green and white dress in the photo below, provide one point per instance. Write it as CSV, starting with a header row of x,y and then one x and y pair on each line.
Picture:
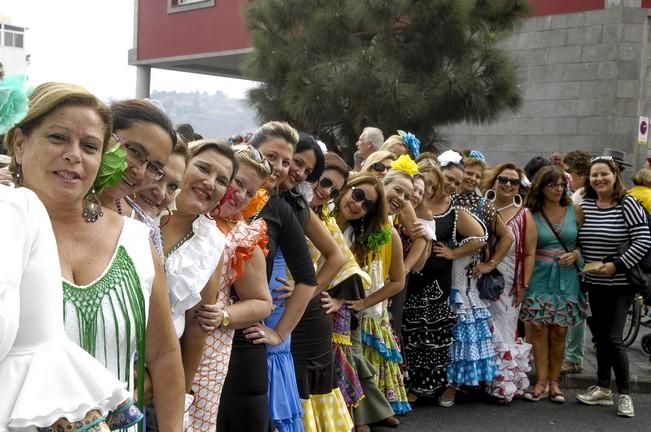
x,y
115,299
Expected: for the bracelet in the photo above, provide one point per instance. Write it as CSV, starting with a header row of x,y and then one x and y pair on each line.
x,y
492,262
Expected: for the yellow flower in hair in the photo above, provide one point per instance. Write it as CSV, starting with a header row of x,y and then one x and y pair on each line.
x,y
406,164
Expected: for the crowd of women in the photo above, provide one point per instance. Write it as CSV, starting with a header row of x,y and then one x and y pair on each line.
x,y
264,286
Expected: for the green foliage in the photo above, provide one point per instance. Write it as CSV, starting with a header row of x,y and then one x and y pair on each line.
x,y
332,67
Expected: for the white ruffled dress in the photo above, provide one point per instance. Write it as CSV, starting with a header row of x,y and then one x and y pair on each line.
x,y
43,375
189,267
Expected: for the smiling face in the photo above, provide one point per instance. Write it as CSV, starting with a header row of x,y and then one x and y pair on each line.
x,y
351,209
602,179
419,192
397,193
452,178
279,154
471,178
153,143
506,192
324,194
244,186
60,158
300,168
154,199
205,182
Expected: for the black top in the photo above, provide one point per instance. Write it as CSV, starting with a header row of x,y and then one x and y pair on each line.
x,y
286,232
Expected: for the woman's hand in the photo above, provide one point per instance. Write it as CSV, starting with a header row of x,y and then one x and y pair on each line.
x,y
608,269
287,288
210,317
568,258
330,304
259,333
418,230
517,293
442,251
148,393
481,269
356,305
6,177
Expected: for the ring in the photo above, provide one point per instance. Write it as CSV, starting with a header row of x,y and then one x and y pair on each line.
x,y
261,333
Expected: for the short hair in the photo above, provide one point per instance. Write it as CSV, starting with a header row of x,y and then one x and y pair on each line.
x,y
489,179
308,143
471,162
535,164
618,188
643,177
334,162
374,136
50,96
375,157
578,161
186,131
544,176
195,148
274,129
130,111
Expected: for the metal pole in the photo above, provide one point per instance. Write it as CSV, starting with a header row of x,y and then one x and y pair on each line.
x,y
143,78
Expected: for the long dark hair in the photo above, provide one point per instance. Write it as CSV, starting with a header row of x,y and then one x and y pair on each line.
x,y
127,112
536,196
306,143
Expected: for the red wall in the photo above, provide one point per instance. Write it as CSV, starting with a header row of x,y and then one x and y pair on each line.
x,y
218,28
554,7
646,3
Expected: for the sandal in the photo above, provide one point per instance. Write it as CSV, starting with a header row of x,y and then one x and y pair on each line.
x,y
362,428
534,395
571,368
556,396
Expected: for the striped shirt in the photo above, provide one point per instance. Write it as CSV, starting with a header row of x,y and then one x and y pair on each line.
x,y
603,230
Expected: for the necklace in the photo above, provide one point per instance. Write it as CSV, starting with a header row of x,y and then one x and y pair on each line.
x,y
118,206
179,243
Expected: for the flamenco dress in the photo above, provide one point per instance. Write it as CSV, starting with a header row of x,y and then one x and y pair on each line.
x,y
44,375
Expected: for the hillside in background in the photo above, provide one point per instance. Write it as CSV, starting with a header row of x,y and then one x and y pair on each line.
x,y
211,115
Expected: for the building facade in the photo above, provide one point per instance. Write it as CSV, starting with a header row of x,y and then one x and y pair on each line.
x,y
13,55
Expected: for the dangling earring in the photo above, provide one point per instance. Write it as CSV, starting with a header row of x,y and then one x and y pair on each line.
x,y
18,174
92,207
517,200
169,217
490,195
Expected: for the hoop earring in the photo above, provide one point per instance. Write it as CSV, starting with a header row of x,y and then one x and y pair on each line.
x,y
517,200
18,174
92,207
167,220
488,193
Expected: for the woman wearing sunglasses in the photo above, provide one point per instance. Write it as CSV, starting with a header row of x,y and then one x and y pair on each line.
x,y
553,300
379,163
502,185
611,218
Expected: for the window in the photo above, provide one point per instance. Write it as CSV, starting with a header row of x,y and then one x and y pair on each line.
x,y
174,6
14,36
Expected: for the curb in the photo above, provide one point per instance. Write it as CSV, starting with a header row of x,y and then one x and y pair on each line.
x,y
638,384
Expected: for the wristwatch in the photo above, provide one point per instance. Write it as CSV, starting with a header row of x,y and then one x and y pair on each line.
x,y
226,319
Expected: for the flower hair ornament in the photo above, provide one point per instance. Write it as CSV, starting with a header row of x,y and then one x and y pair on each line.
x,y
379,238
14,101
412,143
475,154
114,163
450,157
406,164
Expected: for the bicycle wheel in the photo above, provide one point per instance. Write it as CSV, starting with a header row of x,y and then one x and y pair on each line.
x,y
632,325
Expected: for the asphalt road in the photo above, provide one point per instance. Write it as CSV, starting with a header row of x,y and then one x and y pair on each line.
x,y
525,416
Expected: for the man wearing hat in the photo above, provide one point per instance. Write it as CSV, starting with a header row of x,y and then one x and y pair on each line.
x,y
619,156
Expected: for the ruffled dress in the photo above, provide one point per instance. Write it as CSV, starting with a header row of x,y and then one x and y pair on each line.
x,y
554,296
284,402
208,382
44,375
511,352
189,267
379,344
428,320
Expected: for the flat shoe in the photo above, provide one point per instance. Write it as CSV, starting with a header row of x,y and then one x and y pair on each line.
x,y
535,396
446,403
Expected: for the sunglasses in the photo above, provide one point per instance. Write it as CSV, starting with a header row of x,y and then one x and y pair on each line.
x,y
328,184
359,195
504,180
380,167
257,158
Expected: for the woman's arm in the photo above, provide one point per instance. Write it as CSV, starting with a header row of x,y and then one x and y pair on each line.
x,y
253,292
530,244
334,259
468,226
396,280
504,242
416,255
163,356
194,335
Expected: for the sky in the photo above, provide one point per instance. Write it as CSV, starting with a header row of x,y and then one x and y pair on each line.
x,y
86,42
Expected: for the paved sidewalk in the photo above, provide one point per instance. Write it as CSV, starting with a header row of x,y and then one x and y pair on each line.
x,y
640,367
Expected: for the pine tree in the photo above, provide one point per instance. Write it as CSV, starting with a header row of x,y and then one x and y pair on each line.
x,y
332,67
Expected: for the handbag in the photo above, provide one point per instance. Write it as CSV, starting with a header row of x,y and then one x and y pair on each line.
x,y
491,284
639,276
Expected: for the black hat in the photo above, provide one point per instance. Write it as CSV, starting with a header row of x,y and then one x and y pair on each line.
x,y
618,156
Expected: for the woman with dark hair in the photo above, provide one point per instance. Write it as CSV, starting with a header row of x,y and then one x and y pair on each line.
x,y
553,300
148,137
611,218
502,186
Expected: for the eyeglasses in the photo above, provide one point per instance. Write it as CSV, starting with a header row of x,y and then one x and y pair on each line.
x,y
326,183
380,167
360,196
138,156
257,158
562,185
504,180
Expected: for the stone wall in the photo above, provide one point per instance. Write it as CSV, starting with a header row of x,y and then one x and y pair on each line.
x,y
586,80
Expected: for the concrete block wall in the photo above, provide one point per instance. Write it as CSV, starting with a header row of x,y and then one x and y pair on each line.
x,y
586,79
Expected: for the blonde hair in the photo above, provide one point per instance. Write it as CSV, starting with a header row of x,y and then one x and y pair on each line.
x,y
50,96
393,140
643,177
427,167
378,156
243,156
274,129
